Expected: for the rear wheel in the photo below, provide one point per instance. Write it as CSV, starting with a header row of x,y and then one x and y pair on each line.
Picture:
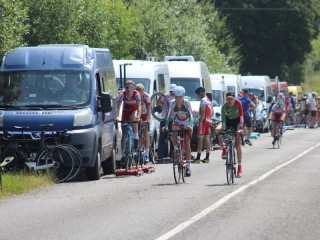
x,y
58,159
159,103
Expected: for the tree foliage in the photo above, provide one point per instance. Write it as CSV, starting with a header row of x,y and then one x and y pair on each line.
x,y
273,36
12,25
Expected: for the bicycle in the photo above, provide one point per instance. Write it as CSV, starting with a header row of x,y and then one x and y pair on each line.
x,y
229,138
141,146
159,106
179,163
278,134
22,152
213,134
131,158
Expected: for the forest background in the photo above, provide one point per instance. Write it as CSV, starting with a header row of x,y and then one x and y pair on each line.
x,y
258,37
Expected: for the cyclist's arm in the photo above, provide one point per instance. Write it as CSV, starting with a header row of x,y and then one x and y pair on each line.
x,y
167,120
190,114
239,105
138,100
223,116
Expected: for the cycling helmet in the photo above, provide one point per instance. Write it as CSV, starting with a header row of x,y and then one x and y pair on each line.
x,y
172,87
179,91
199,90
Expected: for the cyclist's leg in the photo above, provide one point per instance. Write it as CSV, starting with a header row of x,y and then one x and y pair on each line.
x,y
200,135
207,142
133,117
223,148
161,141
146,138
187,149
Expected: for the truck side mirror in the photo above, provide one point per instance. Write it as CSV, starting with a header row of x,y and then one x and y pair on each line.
x,y
105,103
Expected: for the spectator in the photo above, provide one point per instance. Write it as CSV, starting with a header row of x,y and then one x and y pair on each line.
x,y
313,110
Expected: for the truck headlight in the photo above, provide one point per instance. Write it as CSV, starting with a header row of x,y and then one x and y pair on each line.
x,y
83,118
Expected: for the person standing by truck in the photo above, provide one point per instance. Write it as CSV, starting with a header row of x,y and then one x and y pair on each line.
x,y
205,115
131,112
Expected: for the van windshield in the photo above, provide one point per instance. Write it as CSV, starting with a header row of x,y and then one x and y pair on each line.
x,y
44,89
144,81
258,92
217,97
190,85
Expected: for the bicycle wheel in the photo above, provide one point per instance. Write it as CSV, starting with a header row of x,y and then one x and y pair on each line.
x,y
159,106
77,160
229,165
177,170
58,159
279,140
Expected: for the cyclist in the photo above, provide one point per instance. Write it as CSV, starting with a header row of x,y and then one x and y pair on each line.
x,y
131,111
162,138
145,118
247,107
180,113
277,115
232,117
205,115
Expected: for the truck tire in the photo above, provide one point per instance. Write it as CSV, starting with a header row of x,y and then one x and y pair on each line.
x,y
109,166
93,173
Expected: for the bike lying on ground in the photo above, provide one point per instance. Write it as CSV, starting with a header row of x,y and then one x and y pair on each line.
x,y
38,152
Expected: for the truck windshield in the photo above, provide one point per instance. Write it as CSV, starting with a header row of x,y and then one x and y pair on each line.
x,y
258,92
23,89
190,85
144,81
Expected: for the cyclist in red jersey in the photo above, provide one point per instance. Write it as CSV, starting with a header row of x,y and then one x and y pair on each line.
x,y
131,111
145,117
205,115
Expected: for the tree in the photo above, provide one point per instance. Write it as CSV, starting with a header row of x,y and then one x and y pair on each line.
x,y
273,36
12,25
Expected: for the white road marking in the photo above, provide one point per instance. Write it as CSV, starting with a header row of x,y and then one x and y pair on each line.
x,y
223,200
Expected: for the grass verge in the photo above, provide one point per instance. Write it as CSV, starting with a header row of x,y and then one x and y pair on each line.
x,y
23,182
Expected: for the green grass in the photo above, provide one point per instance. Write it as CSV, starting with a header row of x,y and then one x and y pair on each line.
x,y
23,182
312,83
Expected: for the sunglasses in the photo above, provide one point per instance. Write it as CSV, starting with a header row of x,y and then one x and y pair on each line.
x,y
129,87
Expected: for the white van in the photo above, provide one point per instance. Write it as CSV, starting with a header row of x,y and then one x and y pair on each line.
x,y
218,93
191,75
155,78
260,86
232,82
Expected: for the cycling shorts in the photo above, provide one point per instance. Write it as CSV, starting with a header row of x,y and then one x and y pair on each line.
x,y
276,117
205,130
189,133
126,115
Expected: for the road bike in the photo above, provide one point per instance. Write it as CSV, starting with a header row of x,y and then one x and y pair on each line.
x,y
228,137
179,162
141,147
38,152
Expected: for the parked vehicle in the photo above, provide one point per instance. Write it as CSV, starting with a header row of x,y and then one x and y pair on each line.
x,y
260,86
191,75
232,82
32,79
155,78
218,94
296,90
261,118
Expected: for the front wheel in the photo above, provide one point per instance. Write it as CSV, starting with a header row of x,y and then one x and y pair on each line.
x,y
177,169
159,106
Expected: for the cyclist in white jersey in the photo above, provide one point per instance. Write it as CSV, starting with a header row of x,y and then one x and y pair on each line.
x,y
180,113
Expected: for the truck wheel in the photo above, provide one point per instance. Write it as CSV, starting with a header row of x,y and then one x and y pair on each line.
x,y
109,166
93,173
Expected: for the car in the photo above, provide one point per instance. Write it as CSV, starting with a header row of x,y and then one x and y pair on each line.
x,y
261,118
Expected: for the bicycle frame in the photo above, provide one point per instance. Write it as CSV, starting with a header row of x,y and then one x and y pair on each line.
x,y
231,155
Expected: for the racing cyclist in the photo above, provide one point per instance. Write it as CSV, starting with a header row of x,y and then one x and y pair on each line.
x,y
180,113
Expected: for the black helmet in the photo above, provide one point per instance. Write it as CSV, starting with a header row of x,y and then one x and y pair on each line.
x,y
199,90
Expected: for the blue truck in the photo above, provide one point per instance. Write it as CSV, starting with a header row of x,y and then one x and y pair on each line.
x,y
72,87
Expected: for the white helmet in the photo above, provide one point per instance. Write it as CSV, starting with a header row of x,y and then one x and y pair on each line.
x,y
172,87
179,91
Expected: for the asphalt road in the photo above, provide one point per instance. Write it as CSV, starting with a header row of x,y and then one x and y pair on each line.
x,y
278,197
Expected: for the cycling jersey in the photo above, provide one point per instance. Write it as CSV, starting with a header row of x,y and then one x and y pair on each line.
x,y
165,105
206,107
232,115
145,102
129,104
182,115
